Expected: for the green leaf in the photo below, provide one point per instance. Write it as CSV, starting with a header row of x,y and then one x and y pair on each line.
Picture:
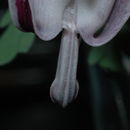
x,y
12,42
110,63
120,104
5,20
9,45
26,42
97,98
106,57
110,60
95,55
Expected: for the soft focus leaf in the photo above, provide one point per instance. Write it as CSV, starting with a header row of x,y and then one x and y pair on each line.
x,y
9,45
13,41
5,19
110,63
26,41
106,57
110,60
95,55
120,104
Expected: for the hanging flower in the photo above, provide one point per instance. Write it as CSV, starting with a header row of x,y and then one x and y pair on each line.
x,y
47,18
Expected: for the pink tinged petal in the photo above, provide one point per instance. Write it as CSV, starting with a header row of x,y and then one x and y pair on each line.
x,y
24,15
65,86
47,17
112,14
21,14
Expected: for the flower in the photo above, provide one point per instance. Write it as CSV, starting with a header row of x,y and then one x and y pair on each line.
x,y
47,18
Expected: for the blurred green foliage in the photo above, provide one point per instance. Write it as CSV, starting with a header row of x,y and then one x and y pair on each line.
x,y
106,57
12,41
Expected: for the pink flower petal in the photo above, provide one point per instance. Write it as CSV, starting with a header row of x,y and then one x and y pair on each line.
x,y
21,14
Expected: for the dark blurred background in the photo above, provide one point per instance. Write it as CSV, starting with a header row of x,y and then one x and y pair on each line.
x,y
28,67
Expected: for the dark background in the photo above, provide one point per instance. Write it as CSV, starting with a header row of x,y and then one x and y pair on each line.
x,y
103,75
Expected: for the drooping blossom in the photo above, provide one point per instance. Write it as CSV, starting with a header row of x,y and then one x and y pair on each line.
x,y
95,21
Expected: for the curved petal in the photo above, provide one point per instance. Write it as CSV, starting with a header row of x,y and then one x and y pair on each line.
x,y
112,18
47,17
21,14
24,15
13,12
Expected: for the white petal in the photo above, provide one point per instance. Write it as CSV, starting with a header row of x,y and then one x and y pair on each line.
x,y
92,15
13,12
119,15
47,17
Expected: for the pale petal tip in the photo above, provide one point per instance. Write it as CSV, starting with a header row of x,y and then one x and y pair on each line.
x,y
61,95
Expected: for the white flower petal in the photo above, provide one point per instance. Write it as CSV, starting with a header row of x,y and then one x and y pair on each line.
x,y
13,12
91,16
47,17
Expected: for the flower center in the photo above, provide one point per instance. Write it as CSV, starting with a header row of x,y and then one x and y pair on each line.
x,y
65,87
69,18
